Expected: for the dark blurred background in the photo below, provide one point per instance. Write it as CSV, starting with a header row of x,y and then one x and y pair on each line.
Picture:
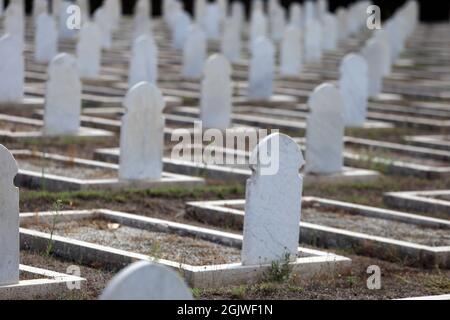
x,y
436,10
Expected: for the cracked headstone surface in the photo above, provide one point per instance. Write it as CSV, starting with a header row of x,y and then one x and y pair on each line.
x,y
62,97
273,202
215,104
325,131
146,281
142,134
354,86
9,219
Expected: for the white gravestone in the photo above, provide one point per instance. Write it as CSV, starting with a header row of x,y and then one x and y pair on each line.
x,y
181,27
9,217
273,202
354,87
89,50
65,32
291,52
383,38
146,281
14,21
373,52
258,27
212,21
199,11
46,39
39,6
142,25
194,53
313,42
144,61
237,14
1,7
103,20
142,134
62,97
309,12
342,24
277,23
295,15
325,131
215,104
262,69
12,69
329,32
144,7
231,41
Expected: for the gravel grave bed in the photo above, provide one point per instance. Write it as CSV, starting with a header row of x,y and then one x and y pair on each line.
x,y
17,127
63,168
336,218
169,246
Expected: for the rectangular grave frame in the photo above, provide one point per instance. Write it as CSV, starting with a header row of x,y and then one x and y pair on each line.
x,y
27,178
239,175
87,133
422,201
211,276
430,141
49,282
219,212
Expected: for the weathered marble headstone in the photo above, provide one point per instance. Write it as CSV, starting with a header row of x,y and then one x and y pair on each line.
x,y
62,97
194,53
291,52
215,102
89,50
180,31
212,21
313,42
262,68
142,134
9,217
325,131
373,53
12,69
103,21
144,61
46,39
329,32
231,41
295,14
273,202
65,32
145,281
354,87
14,23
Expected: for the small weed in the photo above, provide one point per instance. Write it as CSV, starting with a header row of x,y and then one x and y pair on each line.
x,y
280,271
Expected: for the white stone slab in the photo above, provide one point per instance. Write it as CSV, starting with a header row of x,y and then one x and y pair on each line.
x,y
89,50
262,68
14,20
231,41
273,202
373,53
291,52
325,131
194,53
65,31
103,20
46,39
62,97
313,42
212,21
9,218
182,21
142,134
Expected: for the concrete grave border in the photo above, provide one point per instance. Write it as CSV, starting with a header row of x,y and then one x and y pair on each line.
x,y
419,200
434,141
27,178
219,213
312,263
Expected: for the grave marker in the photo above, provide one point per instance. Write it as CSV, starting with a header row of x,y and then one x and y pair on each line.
x,y
373,53
89,50
194,53
262,68
144,61
142,134
291,52
273,202
325,131
11,69
62,97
